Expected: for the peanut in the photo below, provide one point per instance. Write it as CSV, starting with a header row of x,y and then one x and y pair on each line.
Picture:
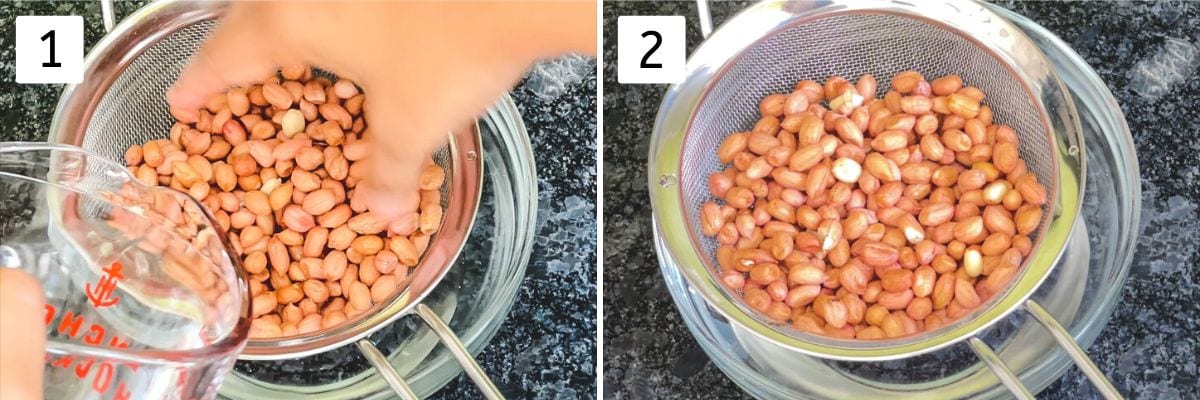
x,y
277,164
1027,219
383,288
903,212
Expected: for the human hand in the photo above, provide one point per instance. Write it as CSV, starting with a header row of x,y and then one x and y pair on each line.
x,y
22,337
426,67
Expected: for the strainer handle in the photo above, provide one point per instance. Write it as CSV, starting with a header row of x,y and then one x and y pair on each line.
x,y
1077,354
450,340
1065,341
108,15
705,17
380,362
1007,377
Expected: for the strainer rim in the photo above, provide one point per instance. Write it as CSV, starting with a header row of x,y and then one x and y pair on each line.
x,y
714,56
134,35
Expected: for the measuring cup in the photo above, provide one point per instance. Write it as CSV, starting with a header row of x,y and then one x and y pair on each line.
x,y
142,297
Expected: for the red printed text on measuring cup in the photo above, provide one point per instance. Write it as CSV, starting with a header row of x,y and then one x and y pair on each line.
x,y
71,325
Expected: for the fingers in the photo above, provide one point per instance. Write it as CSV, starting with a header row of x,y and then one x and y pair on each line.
x,y
22,341
234,55
401,144
393,168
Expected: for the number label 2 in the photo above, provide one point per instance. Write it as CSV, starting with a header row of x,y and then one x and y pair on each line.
x,y
651,49
657,42
52,64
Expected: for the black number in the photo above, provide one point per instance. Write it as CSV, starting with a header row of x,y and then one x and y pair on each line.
x,y
657,42
52,63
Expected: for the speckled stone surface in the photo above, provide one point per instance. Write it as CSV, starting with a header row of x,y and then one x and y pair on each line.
x,y
546,348
1147,53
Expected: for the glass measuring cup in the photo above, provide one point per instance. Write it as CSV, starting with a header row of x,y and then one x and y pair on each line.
x,y
142,297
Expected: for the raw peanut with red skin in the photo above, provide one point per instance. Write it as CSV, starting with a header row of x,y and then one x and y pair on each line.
x,y
763,274
923,281
772,106
710,218
757,299
721,183
877,254
895,300
314,241
432,177
1027,219
889,141
318,202
905,82
919,308
367,244
806,157
848,131
289,294
1022,244
383,288
965,294
296,219
278,255
933,216
946,85
366,224
286,182
882,168
970,230
936,214
804,275
1032,192
897,280
430,219
916,105
943,291
997,280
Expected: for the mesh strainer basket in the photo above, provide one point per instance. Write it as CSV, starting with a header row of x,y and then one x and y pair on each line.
x,y
122,102
770,46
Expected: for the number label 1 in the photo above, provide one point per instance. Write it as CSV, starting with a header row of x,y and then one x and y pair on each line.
x,y
49,49
651,49
52,64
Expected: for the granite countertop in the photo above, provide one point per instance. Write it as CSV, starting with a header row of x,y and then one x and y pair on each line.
x,y
1147,53
546,348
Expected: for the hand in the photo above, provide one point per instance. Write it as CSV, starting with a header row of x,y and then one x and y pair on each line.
x,y
22,335
426,67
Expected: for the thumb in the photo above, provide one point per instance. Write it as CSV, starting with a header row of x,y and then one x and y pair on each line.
x,y
22,341
234,55
401,145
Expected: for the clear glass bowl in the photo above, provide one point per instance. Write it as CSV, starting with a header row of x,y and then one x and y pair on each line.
x,y
1080,293
474,298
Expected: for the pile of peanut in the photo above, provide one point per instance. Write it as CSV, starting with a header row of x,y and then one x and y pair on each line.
x,y
277,164
872,218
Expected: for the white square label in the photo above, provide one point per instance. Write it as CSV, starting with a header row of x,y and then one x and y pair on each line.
x,y
50,49
651,49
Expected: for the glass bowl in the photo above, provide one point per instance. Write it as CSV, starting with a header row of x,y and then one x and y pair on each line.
x,y
1080,293
474,298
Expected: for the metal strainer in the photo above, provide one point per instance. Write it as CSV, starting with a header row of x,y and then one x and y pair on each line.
x,y
771,46
122,102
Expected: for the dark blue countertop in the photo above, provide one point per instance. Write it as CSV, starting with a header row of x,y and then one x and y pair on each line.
x,y
547,346
1147,53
